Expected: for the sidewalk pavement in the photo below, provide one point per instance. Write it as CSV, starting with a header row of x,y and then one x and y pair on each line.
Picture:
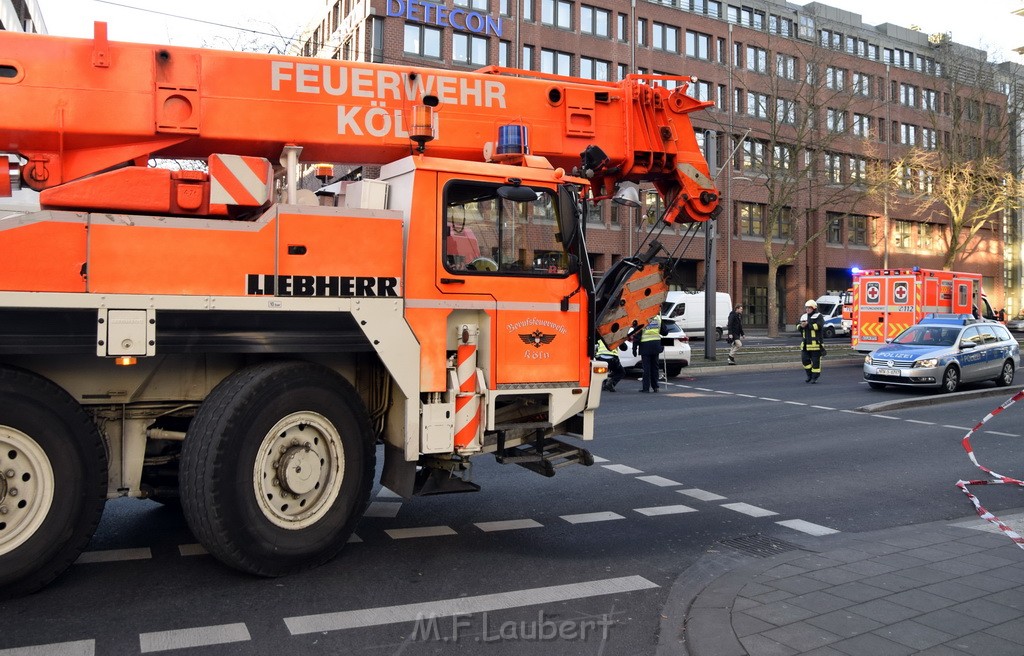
x,y
949,587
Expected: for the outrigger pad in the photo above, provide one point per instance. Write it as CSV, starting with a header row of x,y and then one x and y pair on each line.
x,y
436,481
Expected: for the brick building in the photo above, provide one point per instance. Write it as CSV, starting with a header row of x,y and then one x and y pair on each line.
x,y
810,106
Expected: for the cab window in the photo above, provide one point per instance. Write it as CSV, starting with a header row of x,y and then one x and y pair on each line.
x,y
489,235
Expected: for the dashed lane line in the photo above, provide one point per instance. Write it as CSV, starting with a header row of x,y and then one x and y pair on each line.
x,y
75,648
448,608
794,403
918,421
992,432
807,527
507,525
201,636
192,550
887,417
822,407
961,428
748,509
665,510
598,459
387,509
660,481
113,555
586,518
419,532
701,495
622,469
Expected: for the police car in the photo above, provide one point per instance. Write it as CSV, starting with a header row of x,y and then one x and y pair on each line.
x,y
942,351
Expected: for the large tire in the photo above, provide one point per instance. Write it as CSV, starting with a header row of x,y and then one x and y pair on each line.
x,y
53,481
1005,376
950,380
277,429
830,332
673,370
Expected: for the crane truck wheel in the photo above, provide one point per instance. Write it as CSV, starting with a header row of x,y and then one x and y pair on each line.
x,y
276,467
53,481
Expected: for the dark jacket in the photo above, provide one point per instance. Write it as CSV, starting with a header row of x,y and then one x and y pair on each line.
x,y
734,326
811,337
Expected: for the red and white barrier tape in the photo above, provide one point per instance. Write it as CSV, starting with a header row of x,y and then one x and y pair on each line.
x,y
997,479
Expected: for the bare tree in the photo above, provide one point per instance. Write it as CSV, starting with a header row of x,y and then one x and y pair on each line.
x,y
799,104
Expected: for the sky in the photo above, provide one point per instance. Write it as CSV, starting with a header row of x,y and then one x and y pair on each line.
x,y
986,24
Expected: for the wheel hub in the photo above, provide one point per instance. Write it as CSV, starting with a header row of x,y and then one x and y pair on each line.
x,y
299,470
26,488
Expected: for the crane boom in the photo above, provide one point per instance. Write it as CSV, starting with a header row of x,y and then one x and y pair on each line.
x,y
75,107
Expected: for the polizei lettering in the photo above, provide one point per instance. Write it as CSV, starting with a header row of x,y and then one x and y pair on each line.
x,y
340,286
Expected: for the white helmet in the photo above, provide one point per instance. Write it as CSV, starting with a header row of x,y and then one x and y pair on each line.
x,y
811,304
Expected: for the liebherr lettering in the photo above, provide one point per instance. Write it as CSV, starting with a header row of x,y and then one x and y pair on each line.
x,y
330,286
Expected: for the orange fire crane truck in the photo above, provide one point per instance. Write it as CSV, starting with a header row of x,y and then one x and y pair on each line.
x,y
888,301
202,335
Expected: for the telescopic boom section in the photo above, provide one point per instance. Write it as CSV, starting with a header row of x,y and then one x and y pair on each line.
x,y
76,107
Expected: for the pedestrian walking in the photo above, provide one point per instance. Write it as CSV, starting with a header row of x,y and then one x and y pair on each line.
x,y
812,346
615,370
734,332
647,343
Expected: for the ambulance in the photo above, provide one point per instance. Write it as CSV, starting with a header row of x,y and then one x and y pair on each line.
x,y
888,301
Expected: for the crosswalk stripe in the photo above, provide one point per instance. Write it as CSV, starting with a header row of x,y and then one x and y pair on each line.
x,y
807,527
748,509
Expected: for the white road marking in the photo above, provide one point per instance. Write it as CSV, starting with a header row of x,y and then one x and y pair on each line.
x,y
385,493
723,392
200,636
660,481
665,510
703,389
807,527
419,532
794,403
822,407
600,459
851,412
746,396
701,495
77,648
354,539
586,518
748,509
507,525
961,428
113,555
622,469
886,417
446,608
918,421
768,398
991,432
195,549
383,509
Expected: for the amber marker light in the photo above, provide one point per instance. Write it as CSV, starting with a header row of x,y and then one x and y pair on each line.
x,y
600,368
125,360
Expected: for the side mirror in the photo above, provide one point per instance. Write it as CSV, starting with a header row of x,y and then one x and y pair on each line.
x,y
967,345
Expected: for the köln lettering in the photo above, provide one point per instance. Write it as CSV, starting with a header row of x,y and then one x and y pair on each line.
x,y
330,286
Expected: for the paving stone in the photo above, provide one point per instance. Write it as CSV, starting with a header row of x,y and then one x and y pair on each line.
x,y
932,554
955,589
773,596
1012,630
920,600
868,568
876,548
984,540
914,634
824,651
801,636
869,644
857,591
742,603
753,589
780,572
985,644
946,568
799,584
956,624
913,541
941,650
961,547
990,583
744,625
899,560
820,601
894,582
1014,573
1014,598
815,561
709,633
884,611
847,554
844,623
781,612
989,611
989,561
758,645
834,575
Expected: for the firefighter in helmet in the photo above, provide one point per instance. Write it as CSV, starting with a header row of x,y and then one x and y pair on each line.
x,y
812,346
615,370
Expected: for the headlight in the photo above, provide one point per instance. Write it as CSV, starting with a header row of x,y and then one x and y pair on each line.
x,y
926,363
867,359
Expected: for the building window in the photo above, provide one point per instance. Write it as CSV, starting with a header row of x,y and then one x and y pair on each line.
x,y
721,97
783,228
928,139
858,170
698,45
527,60
751,219
872,51
862,84
779,25
505,7
908,95
757,104
835,78
469,49
834,233
901,233
641,31
553,61
665,37
595,21
835,120
830,39
785,66
557,13
503,53
757,59
700,90
834,168
857,230
785,111
421,40
622,71
480,5
620,28
908,134
527,14
783,157
595,69
925,236
751,156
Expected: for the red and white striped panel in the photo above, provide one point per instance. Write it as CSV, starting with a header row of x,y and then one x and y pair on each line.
x,y
467,401
240,180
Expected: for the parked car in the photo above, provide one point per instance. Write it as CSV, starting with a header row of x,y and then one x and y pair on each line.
x,y
942,351
672,360
1016,324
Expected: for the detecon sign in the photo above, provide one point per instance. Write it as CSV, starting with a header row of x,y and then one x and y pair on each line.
x,y
430,13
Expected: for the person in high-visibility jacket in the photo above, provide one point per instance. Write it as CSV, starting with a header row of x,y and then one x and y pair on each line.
x,y
812,346
647,342
615,370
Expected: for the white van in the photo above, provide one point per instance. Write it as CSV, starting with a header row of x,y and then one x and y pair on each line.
x,y
687,310
831,308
